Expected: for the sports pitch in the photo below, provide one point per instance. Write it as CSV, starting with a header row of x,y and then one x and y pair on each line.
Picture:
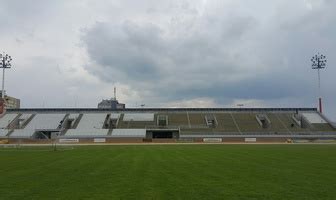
x,y
169,172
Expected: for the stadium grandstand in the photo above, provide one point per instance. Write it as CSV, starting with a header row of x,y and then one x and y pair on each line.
x,y
165,125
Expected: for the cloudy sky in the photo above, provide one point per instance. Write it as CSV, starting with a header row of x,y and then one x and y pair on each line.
x,y
172,53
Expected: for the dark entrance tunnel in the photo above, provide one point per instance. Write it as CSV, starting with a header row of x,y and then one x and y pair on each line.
x,y
163,134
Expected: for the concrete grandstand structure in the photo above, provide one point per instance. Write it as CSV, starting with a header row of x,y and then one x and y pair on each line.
x,y
165,125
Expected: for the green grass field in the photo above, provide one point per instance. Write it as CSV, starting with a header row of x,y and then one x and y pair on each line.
x,y
170,172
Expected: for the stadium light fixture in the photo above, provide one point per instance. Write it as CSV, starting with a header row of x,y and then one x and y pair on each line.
x,y
5,63
319,62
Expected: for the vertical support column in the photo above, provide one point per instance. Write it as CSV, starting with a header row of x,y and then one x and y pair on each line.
x,y
319,62
319,90
320,104
115,94
3,83
2,100
2,105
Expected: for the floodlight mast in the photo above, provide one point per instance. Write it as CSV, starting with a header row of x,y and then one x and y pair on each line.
x,y
319,62
4,64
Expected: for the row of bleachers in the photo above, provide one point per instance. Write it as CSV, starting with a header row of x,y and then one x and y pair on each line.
x,y
178,119
235,122
73,116
3,132
102,124
7,119
140,125
131,124
142,117
136,120
19,133
87,132
39,121
196,119
225,123
122,123
104,133
276,123
289,123
129,133
322,127
313,118
45,121
92,121
24,119
247,122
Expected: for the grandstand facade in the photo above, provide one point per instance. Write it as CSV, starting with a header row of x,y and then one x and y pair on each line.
x,y
165,125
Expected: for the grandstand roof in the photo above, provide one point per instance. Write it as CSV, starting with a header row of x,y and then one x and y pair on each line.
x,y
157,109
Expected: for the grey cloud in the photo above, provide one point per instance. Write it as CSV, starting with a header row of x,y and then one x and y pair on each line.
x,y
140,51
215,55
172,50
25,15
124,49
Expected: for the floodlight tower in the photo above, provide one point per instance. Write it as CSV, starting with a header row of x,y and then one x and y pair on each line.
x,y
319,62
5,60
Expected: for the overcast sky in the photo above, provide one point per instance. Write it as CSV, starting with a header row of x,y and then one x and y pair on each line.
x,y
196,53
